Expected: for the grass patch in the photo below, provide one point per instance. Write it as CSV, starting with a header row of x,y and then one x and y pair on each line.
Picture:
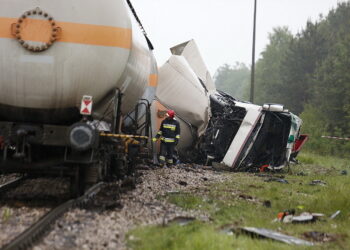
x,y
6,214
185,200
240,201
196,236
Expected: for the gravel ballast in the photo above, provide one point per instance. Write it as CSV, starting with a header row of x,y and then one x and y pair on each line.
x,y
106,229
22,206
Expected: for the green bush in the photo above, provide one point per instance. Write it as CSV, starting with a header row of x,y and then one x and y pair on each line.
x,y
315,125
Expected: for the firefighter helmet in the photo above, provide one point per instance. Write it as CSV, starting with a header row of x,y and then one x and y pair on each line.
x,y
171,113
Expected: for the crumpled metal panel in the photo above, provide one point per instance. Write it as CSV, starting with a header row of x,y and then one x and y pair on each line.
x,y
189,50
244,132
180,89
276,236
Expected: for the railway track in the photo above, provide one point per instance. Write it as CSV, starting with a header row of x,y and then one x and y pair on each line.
x,y
11,184
33,233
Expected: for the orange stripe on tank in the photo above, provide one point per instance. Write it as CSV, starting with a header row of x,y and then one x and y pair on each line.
x,y
38,31
153,80
5,27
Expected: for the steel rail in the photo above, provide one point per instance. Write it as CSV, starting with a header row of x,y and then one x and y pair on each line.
x,y
32,234
11,184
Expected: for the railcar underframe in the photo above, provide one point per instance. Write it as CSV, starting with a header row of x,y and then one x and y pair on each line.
x,y
83,151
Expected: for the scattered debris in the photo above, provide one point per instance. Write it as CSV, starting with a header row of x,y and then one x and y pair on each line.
x,y
182,220
287,219
318,182
317,215
321,237
288,216
333,216
227,229
281,215
277,180
267,203
250,198
266,233
263,168
306,217
246,197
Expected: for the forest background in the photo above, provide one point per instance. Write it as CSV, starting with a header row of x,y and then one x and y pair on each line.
x,y
309,73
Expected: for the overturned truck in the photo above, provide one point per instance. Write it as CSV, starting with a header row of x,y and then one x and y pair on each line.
x,y
215,127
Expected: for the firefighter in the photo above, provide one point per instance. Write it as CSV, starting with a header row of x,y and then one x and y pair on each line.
x,y
169,135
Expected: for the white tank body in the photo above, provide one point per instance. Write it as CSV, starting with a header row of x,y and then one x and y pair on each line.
x,y
98,49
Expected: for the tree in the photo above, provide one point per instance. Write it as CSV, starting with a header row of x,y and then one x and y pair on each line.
x,y
233,79
307,50
331,94
268,74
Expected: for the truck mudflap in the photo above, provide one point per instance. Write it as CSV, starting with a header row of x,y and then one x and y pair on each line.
x,y
299,143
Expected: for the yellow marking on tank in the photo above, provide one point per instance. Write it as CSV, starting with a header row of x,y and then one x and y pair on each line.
x,y
38,30
153,80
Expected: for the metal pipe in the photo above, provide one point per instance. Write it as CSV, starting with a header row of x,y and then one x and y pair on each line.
x,y
119,115
252,83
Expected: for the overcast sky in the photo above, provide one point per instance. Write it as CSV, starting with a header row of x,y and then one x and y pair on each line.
x,y
223,28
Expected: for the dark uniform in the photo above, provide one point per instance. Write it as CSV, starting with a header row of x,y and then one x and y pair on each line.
x,y
169,134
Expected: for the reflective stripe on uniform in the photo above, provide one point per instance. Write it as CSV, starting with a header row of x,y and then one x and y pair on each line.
x,y
159,132
162,158
170,161
168,139
170,126
178,137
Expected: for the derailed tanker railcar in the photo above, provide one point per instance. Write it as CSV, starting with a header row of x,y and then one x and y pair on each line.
x,y
53,54
215,127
